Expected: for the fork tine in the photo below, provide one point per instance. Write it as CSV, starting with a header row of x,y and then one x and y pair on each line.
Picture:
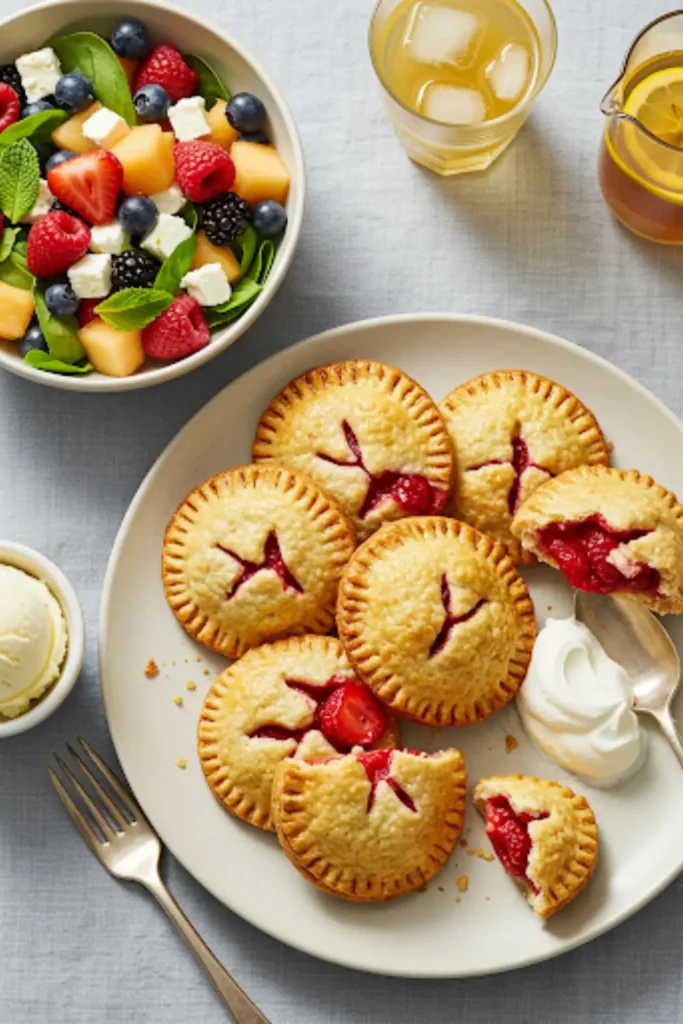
x,y
127,798
78,818
102,822
99,789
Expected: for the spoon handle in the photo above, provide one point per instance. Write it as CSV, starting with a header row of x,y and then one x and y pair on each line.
x,y
668,727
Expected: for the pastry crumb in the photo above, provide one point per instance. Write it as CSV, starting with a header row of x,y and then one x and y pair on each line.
x,y
192,685
151,669
458,899
548,607
198,659
481,854
178,701
463,843
463,883
181,762
511,743
610,447
487,898
206,671
441,889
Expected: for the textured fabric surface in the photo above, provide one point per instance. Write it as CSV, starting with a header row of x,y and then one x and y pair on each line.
x,y
531,241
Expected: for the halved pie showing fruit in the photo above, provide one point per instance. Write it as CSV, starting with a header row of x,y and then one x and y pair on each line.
x,y
370,826
609,531
544,835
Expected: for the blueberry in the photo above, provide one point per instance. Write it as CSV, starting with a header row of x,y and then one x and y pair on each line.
x,y
74,92
37,108
34,338
245,112
269,218
151,103
138,215
61,300
260,137
130,39
59,157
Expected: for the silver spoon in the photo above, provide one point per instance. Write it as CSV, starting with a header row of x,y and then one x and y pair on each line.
x,y
634,638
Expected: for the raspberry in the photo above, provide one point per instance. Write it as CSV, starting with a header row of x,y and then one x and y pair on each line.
x,y
10,107
55,243
178,332
203,170
352,717
10,76
86,311
165,67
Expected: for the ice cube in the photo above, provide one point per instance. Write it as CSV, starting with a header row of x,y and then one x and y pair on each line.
x,y
453,104
509,72
442,35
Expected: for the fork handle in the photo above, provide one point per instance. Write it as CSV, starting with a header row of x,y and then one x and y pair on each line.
x,y
238,1002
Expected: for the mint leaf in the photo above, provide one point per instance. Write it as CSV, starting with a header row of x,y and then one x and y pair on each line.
x,y
89,53
15,272
7,240
247,242
44,361
211,86
61,333
174,268
133,308
19,179
38,127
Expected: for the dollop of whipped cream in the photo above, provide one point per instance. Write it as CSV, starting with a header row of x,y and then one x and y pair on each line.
x,y
576,705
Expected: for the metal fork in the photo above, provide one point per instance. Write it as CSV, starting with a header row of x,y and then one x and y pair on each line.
x,y
118,833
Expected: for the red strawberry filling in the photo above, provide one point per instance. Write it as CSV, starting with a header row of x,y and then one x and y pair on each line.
x,y
451,620
272,559
377,764
411,491
508,832
521,461
582,551
342,709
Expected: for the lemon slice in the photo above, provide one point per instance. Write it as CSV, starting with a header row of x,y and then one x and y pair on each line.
x,y
657,104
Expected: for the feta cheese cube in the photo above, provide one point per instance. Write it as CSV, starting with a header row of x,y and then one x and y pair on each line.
x,y
170,201
40,71
208,285
105,128
42,205
166,236
90,278
188,118
111,238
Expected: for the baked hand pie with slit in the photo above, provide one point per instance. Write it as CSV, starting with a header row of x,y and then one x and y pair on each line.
x,y
368,434
436,620
609,531
544,835
370,827
255,554
512,431
296,697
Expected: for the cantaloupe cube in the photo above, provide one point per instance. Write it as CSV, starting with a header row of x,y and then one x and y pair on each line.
x,y
222,132
114,353
261,173
16,309
147,157
207,252
70,134
129,69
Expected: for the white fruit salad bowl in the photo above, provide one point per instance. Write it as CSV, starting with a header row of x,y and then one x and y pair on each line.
x,y
151,191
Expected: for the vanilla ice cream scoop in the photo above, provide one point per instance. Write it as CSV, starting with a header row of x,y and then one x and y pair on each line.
x,y
33,640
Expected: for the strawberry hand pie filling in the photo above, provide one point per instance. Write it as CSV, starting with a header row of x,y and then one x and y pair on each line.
x,y
508,833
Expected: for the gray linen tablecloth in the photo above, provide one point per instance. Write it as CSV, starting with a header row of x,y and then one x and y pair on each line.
x,y
531,241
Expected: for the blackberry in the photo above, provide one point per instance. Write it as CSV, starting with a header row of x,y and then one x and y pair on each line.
x,y
133,269
10,76
225,218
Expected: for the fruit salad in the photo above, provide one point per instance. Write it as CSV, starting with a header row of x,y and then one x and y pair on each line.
x,y
140,203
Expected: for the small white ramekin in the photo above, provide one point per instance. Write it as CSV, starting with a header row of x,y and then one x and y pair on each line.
x,y
43,569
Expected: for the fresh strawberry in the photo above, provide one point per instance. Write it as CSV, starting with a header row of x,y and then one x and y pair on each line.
x,y
89,184
165,67
10,107
55,243
351,716
86,311
203,170
178,332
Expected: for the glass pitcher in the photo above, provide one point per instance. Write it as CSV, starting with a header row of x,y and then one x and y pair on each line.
x,y
641,157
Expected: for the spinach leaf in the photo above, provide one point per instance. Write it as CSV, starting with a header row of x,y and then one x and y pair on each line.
x,y
61,333
247,241
133,308
44,361
15,272
190,215
7,240
211,85
38,127
19,179
248,289
89,53
174,268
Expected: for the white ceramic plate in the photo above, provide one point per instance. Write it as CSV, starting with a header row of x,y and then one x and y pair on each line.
x,y
429,934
